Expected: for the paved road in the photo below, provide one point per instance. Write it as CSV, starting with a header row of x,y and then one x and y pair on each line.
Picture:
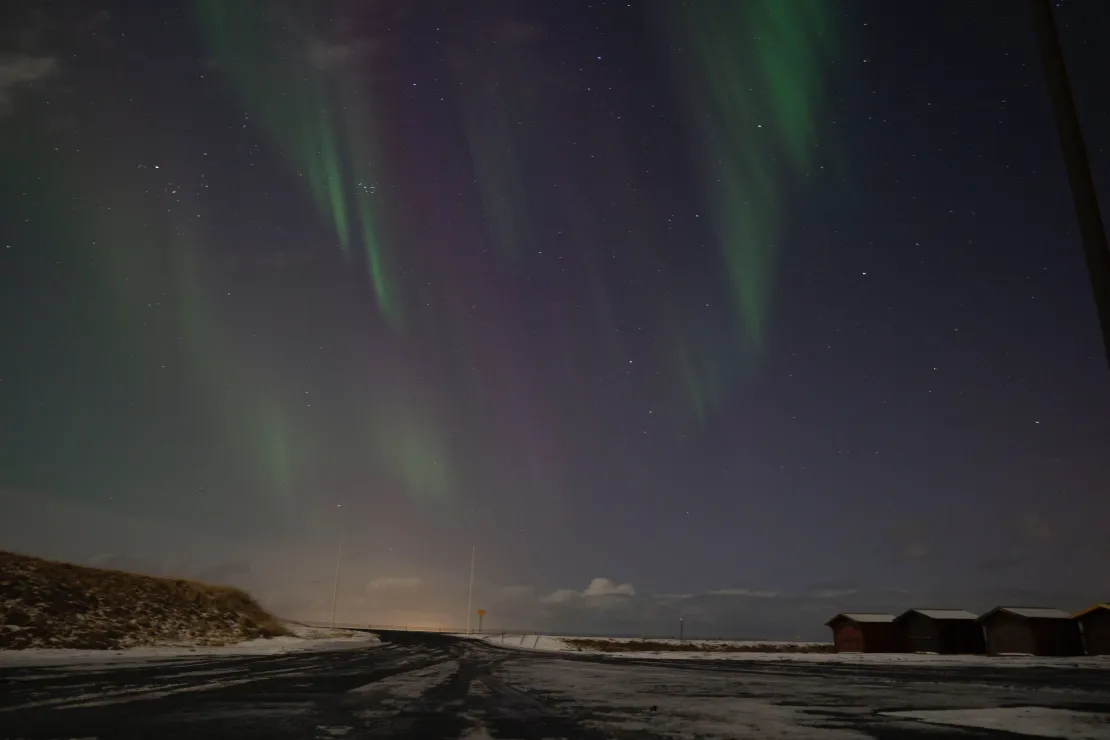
x,y
432,687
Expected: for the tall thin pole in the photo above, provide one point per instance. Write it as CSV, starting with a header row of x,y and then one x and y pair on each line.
x,y
335,589
470,592
1083,191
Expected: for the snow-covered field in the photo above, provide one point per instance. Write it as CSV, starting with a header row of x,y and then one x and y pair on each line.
x,y
642,699
749,652
302,638
423,686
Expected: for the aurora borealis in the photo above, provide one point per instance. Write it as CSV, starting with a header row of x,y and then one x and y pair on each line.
x,y
695,295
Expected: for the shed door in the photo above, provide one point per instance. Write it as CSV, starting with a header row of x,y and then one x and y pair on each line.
x,y
1096,632
1009,634
848,638
921,634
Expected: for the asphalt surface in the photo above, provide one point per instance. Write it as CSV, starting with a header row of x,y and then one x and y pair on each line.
x,y
437,687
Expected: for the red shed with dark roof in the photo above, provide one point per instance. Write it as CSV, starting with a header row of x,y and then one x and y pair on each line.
x,y
859,632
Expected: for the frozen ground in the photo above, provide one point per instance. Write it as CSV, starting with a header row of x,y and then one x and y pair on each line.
x,y
758,701
302,638
436,687
750,652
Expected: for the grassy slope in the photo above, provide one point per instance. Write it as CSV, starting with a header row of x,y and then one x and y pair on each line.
x,y
46,604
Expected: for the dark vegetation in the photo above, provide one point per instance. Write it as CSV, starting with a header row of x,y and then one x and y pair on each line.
x,y
47,604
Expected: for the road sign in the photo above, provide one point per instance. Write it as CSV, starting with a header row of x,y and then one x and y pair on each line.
x,y
481,612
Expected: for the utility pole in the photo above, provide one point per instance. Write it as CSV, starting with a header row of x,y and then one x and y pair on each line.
x,y
681,629
470,592
338,563
1083,192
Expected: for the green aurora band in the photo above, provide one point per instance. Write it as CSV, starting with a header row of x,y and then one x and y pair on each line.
x,y
261,429
318,121
750,74
317,116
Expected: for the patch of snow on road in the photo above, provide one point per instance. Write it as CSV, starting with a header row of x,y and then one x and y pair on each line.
x,y
478,732
1034,721
411,684
401,691
310,632
527,642
666,703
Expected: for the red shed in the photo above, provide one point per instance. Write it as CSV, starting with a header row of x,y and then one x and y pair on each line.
x,y
1031,630
865,633
1095,624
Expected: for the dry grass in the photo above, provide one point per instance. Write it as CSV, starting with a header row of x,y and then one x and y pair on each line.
x,y
658,646
47,604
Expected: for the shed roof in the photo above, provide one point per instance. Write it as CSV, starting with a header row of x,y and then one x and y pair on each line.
x,y
862,617
1092,609
940,613
1030,612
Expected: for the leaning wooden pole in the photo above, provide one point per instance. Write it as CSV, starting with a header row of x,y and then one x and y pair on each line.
x,y
1083,192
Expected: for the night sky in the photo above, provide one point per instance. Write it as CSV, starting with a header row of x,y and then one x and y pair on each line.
x,y
745,311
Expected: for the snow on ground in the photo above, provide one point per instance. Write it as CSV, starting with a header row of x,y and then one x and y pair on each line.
x,y
749,652
1033,721
632,701
657,700
308,632
303,638
527,642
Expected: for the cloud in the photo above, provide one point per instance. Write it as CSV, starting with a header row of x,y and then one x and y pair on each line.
x,y
752,593
17,70
562,596
743,592
297,581
599,588
831,593
338,44
749,613
35,39
394,583
605,587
